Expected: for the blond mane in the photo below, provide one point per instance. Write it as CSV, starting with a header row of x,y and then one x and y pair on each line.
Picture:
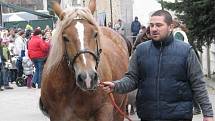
x,y
57,46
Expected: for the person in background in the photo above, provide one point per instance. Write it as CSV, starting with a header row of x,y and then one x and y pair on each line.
x,y
6,65
135,28
11,47
28,27
12,34
19,50
119,27
142,30
179,32
143,36
38,51
3,71
167,75
28,70
110,25
1,63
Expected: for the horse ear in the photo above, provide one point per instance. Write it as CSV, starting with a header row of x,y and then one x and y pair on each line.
x,y
57,9
92,6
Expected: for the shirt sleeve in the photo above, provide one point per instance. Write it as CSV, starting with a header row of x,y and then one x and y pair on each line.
x,y
130,79
198,84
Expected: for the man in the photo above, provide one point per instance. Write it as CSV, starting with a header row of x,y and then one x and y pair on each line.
x,y
167,74
135,28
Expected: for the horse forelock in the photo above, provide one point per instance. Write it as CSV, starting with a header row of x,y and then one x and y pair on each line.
x,y
57,45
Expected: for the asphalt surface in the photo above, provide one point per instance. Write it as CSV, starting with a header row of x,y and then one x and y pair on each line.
x,y
21,104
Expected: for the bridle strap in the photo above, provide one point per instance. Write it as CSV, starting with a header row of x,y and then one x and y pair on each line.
x,y
96,57
71,60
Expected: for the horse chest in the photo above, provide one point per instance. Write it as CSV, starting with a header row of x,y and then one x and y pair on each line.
x,y
80,109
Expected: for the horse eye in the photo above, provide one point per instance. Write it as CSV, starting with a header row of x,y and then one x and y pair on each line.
x,y
65,39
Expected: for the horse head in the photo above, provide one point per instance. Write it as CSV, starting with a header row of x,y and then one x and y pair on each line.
x,y
80,40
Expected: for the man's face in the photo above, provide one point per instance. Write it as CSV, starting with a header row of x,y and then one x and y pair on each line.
x,y
159,29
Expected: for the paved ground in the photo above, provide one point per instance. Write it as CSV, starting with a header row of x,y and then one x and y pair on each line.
x,y
21,104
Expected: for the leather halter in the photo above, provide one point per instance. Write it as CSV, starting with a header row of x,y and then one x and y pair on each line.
x,y
71,59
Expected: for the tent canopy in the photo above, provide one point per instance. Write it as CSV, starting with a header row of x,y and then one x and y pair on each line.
x,y
15,18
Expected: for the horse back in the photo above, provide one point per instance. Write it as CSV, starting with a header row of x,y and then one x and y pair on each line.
x,y
115,54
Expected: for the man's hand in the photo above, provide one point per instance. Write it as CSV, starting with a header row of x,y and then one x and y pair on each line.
x,y
208,119
107,86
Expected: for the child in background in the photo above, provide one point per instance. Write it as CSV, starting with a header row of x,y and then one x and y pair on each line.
x,y
28,70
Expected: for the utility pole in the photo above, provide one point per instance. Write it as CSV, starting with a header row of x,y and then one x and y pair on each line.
x,y
84,3
111,13
45,5
1,22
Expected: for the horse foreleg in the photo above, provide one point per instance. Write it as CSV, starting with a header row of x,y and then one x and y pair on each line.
x,y
105,113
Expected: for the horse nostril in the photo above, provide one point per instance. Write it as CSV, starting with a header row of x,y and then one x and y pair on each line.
x,y
94,76
82,77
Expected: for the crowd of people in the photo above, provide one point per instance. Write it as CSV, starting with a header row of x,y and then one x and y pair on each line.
x,y
22,54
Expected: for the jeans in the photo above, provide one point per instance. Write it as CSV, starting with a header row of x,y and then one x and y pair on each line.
x,y
5,72
4,77
1,76
38,64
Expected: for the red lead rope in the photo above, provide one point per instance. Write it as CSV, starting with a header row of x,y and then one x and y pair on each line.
x,y
117,107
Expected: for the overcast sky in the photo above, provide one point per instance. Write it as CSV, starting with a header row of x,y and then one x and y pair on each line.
x,y
143,8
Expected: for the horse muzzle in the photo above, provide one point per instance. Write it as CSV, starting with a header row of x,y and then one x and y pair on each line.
x,y
87,80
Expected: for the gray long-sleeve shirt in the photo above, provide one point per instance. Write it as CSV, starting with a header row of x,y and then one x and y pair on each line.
x,y
194,73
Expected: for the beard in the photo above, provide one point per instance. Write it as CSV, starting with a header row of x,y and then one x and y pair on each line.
x,y
161,38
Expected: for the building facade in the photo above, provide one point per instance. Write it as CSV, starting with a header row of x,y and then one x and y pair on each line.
x,y
29,4
109,11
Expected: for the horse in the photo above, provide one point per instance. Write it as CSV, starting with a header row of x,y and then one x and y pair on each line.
x,y
128,43
82,56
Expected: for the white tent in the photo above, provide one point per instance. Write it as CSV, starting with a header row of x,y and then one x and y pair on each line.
x,y
15,17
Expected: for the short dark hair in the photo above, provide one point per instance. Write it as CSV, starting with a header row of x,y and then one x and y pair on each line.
x,y
21,32
37,32
166,14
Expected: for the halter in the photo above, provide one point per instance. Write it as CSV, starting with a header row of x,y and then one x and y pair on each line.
x,y
71,60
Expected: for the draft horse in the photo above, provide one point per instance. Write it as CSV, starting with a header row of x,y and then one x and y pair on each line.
x,y
82,55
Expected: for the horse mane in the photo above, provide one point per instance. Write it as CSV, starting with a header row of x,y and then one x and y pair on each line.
x,y
57,45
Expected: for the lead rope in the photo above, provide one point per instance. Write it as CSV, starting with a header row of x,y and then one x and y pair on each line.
x,y
117,107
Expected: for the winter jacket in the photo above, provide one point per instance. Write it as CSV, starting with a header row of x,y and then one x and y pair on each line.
x,y
164,92
135,27
27,64
168,76
37,48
